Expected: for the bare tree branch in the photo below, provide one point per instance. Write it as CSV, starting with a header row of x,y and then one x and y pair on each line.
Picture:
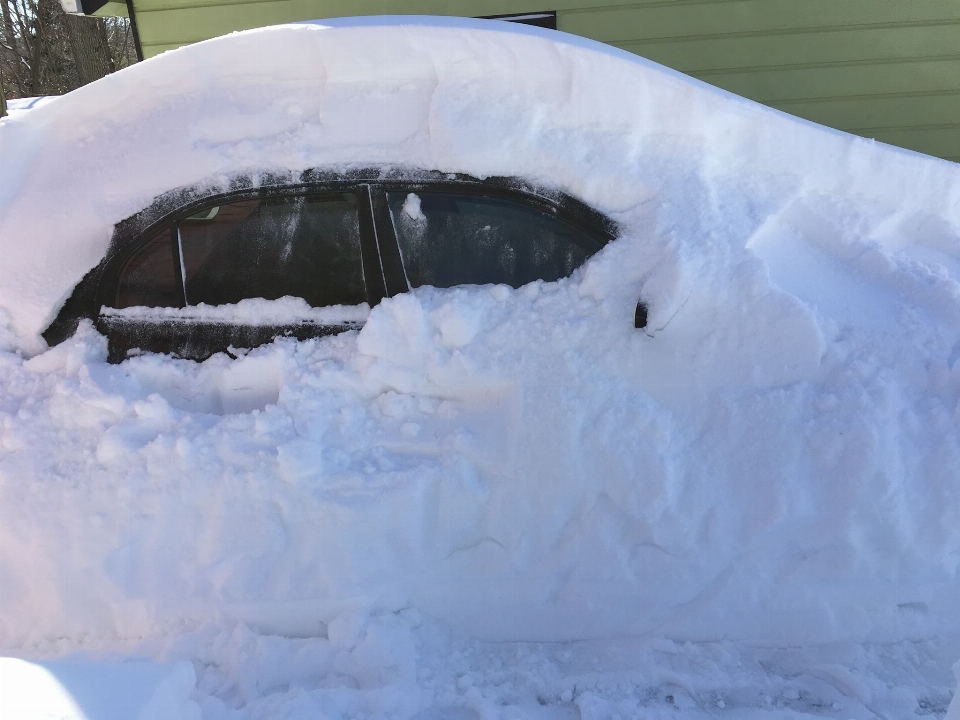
x,y
44,51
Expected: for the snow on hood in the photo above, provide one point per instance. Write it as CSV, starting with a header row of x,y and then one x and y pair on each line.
x,y
776,459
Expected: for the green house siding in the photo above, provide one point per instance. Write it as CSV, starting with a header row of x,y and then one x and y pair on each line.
x,y
886,69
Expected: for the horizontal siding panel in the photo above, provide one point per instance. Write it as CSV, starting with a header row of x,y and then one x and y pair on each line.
x,y
775,86
184,26
861,114
163,21
337,8
607,21
163,24
817,49
662,22
942,142
155,49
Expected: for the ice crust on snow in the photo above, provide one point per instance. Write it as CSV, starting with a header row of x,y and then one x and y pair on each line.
x,y
774,461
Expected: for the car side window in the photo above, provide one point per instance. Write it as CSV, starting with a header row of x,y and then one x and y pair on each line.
x,y
303,246
150,276
449,239
306,246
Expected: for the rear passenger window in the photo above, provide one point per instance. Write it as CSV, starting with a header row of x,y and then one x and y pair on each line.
x,y
449,239
306,247
149,278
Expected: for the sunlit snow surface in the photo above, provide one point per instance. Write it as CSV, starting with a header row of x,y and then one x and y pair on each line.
x,y
752,509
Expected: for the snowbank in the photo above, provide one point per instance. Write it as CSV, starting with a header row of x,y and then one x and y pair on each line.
x,y
776,460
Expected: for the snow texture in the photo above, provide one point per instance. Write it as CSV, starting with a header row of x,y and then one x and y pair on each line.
x,y
19,105
136,690
251,311
492,502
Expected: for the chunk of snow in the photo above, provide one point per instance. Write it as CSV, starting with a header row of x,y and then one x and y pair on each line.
x,y
411,208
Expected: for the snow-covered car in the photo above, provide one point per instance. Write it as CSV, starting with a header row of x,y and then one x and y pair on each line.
x,y
193,273
498,498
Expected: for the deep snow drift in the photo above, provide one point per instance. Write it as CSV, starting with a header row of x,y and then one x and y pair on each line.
x,y
774,462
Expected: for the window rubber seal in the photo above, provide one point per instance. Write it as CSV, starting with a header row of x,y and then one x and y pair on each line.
x,y
176,245
370,259
394,272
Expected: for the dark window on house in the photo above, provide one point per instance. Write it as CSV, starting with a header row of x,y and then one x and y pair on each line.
x,y
149,277
449,239
546,19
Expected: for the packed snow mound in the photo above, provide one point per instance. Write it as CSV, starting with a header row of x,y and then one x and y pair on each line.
x,y
775,459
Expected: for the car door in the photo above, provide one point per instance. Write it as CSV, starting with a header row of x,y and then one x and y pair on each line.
x,y
239,271
449,234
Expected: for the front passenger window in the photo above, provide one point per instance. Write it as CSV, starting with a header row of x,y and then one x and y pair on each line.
x,y
449,239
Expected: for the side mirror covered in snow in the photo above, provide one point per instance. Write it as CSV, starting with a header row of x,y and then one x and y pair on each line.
x,y
640,317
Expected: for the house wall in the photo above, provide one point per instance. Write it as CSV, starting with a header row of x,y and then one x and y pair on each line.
x,y
886,69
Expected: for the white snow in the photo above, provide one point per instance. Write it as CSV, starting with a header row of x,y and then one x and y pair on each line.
x,y
411,208
250,311
134,690
953,712
19,105
492,502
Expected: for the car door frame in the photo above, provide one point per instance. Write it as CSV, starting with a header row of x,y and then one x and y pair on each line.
x,y
199,339
380,252
552,202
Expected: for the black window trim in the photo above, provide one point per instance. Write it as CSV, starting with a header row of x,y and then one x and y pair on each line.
x,y
383,271
542,18
179,273
580,220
